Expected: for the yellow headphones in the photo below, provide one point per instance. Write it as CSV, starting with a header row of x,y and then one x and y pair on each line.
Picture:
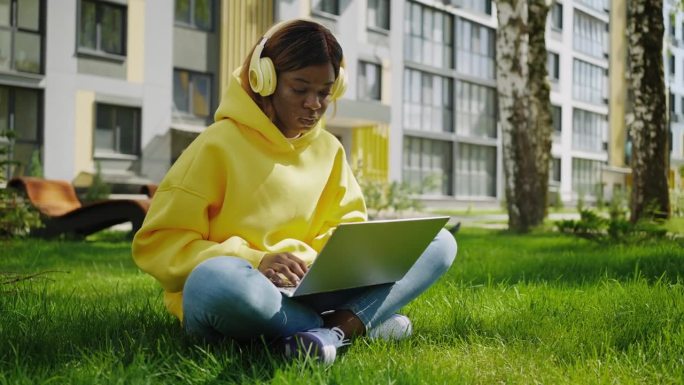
x,y
262,74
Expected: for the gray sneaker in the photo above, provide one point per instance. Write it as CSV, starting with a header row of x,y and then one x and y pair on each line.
x,y
395,328
321,343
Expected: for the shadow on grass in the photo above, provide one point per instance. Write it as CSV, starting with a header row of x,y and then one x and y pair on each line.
x,y
110,335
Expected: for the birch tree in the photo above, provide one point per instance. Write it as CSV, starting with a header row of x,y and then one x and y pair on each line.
x,y
649,128
524,109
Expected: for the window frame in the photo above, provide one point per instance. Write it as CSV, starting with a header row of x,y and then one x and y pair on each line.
x,y
556,16
98,154
11,120
319,9
98,51
191,76
375,25
14,29
362,71
553,58
193,22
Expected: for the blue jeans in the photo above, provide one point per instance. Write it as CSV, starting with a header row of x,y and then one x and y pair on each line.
x,y
226,296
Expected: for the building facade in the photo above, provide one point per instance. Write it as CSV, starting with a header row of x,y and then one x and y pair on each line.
x,y
128,84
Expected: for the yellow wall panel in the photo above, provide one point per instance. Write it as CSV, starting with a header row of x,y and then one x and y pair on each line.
x,y
85,118
370,151
242,23
135,43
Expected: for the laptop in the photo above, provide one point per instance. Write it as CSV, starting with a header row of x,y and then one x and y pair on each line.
x,y
367,253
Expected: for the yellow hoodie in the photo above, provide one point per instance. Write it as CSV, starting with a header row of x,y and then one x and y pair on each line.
x,y
243,189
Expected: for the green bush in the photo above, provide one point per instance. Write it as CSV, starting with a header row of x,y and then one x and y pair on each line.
x,y
616,228
98,190
17,216
384,198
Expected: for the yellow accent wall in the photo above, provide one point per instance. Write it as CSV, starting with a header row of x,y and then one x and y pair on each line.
x,y
85,118
242,23
370,151
618,83
135,43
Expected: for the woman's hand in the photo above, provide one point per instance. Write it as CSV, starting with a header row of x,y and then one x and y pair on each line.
x,y
283,269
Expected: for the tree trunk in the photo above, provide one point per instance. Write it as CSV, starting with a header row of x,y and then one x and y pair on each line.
x,y
524,109
649,129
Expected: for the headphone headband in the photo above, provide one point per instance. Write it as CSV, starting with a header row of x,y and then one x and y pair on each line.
x,y
262,74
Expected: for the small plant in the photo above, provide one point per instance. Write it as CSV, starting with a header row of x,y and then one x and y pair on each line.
x,y
580,201
98,190
555,201
617,228
35,167
600,201
17,216
385,198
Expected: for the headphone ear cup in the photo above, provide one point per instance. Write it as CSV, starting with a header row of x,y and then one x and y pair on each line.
x,y
268,75
340,85
262,77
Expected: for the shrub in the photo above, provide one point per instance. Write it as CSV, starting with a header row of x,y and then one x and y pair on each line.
x,y
17,216
386,198
616,228
98,190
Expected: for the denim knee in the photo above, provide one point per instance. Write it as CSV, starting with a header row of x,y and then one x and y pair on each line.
x,y
443,250
220,283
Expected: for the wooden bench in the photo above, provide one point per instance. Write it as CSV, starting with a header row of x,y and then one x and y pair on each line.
x,y
63,213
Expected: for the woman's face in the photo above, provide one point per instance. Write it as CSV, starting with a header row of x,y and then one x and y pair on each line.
x,y
301,98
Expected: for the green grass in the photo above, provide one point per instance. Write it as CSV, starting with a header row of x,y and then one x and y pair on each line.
x,y
534,309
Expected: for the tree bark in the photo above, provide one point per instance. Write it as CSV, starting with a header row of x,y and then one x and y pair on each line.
x,y
649,130
524,109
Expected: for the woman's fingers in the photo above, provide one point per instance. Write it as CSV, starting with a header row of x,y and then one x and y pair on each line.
x,y
287,273
283,268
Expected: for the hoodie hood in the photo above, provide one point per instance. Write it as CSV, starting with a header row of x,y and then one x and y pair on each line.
x,y
239,107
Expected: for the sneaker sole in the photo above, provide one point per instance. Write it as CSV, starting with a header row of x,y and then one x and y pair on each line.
x,y
307,345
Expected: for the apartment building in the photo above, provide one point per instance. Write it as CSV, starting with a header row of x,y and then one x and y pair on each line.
x,y
673,59
128,84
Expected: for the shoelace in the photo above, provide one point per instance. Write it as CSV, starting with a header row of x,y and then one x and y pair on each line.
x,y
339,334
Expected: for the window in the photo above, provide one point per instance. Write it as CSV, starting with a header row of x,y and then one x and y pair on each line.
x,y
428,165
599,5
555,171
21,35
117,130
21,113
328,6
589,35
586,176
428,36
481,6
671,64
556,16
588,130
681,105
553,67
589,82
195,13
671,102
192,92
475,49
102,28
379,14
475,170
428,102
475,110
556,117
369,81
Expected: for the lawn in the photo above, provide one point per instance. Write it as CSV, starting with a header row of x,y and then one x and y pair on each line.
x,y
535,309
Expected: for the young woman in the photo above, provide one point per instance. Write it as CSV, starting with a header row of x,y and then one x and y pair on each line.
x,y
254,198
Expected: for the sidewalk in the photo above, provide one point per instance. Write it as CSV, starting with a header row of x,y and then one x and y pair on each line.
x,y
500,221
